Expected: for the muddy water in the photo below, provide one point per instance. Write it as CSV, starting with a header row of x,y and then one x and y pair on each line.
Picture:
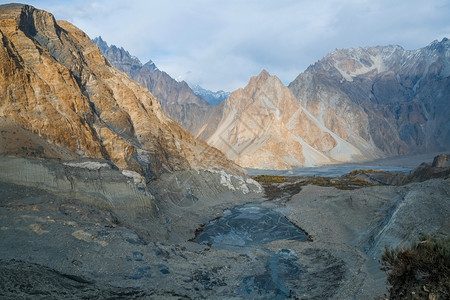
x,y
250,227
280,268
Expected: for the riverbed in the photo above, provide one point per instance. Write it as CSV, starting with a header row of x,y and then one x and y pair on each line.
x,y
403,163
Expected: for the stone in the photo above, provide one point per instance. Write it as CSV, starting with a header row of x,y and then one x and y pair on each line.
x,y
441,161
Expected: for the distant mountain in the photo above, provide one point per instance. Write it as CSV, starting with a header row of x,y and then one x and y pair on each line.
x,y
390,98
119,56
176,98
210,96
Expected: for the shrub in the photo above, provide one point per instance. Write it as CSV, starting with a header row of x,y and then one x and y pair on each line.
x,y
270,178
419,272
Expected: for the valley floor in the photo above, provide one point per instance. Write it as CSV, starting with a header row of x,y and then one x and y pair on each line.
x,y
56,246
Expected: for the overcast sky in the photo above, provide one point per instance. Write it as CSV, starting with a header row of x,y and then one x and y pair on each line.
x,y
220,44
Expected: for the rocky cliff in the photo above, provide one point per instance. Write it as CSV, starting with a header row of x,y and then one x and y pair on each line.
x,y
66,100
390,98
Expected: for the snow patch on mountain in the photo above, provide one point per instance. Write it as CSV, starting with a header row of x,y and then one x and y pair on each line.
x,y
210,96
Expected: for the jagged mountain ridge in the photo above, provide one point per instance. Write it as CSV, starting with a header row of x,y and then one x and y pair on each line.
x,y
207,123
376,101
176,98
210,96
59,88
396,99
118,56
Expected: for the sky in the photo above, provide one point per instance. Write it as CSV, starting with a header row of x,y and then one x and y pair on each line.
x,y
220,44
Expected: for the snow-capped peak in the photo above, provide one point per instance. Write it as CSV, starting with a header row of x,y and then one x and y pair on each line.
x,y
210,96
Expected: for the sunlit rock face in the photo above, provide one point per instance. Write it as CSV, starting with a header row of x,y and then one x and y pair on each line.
x,y
66,100
394,99
264,126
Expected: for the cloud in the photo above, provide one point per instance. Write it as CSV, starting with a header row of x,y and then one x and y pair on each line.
x,y
220,44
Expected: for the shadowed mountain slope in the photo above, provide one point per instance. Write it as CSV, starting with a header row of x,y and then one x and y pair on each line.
x,y
176,98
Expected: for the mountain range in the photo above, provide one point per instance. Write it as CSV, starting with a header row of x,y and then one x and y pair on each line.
x,y
395,100
352,105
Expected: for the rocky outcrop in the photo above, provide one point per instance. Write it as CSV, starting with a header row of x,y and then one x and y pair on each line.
x,y
59,90
439,168
264,126
388,98
95,182
441,161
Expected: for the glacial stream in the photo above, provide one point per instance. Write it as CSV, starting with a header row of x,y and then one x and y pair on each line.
x,y
249,227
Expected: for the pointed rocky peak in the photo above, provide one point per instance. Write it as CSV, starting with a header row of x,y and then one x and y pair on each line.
x,y
101,44
264,126
262,79
264,95
264,74
440,46
263,90
150,65
119,57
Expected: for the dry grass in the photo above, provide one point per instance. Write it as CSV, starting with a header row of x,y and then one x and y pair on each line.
x,y
270,178
276,186
421,271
